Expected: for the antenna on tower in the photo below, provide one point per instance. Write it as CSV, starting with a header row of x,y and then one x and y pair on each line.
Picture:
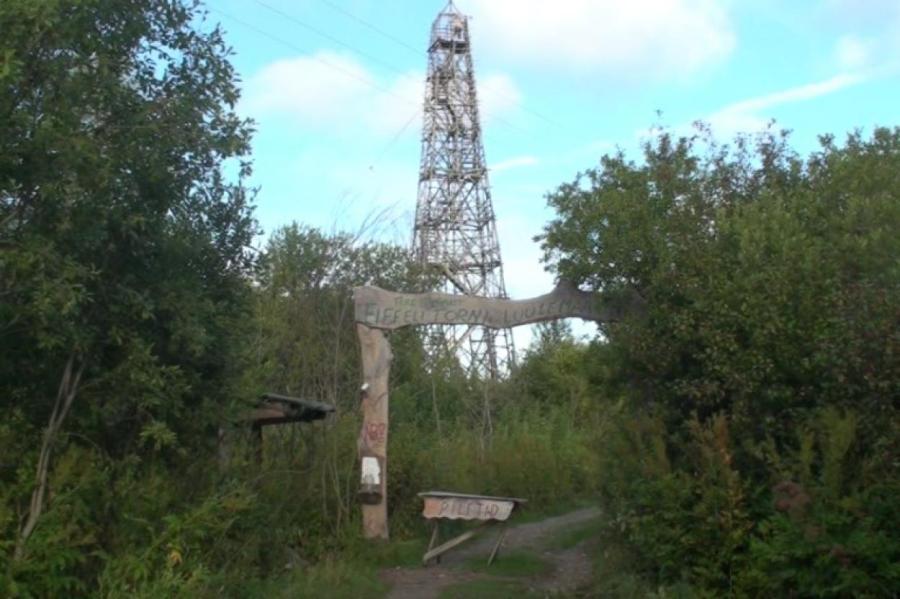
x,y
455,234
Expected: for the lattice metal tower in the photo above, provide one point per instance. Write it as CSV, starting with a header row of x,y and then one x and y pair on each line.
x,y
455,232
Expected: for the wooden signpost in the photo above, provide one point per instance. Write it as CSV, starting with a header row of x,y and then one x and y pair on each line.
x,y
387,310
377,310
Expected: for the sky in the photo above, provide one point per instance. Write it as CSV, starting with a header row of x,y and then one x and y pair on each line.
x,y
335,88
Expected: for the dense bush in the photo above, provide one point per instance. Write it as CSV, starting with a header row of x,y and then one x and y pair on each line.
x,y
822,524
755,451
123,285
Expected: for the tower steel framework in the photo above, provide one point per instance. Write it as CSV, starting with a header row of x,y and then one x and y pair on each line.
x,y
455,234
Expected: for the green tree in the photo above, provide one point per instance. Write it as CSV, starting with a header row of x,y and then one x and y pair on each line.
x,y
305,337
754,455
554,372
124,245
770,280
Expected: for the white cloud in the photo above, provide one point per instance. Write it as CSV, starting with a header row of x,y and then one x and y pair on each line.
x,y
853,52
332,90
518,161
390,111
872,38
634,38
313,88
800,93
753,114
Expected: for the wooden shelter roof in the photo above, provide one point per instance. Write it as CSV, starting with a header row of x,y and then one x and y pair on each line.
x,y
282,409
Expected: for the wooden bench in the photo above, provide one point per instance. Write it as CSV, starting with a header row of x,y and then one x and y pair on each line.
x,y
491,511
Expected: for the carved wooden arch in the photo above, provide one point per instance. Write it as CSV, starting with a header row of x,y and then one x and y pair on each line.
x,y
378,310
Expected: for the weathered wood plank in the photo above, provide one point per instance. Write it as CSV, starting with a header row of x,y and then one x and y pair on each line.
x,y
383,309
462,508
441,549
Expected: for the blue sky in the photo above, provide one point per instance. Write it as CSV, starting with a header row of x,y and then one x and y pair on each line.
x,y
335,87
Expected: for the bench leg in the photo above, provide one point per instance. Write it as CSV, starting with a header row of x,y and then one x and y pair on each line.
x,y
434,537
496,549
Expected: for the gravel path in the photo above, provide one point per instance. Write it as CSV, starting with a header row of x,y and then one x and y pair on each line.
x,y
571,567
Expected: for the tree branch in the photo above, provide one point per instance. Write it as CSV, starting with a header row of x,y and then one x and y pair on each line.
x,y
65,396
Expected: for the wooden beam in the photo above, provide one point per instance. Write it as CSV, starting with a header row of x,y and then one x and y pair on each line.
x,y
441,549
388,310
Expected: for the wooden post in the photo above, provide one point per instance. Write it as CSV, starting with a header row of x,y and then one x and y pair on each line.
x,y
376,365
257,434
434,535
435,532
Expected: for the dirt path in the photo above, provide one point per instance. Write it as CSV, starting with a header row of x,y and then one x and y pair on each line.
x,y
569,568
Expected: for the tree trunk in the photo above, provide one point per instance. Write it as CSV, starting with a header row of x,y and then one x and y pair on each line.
x,y
68,388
